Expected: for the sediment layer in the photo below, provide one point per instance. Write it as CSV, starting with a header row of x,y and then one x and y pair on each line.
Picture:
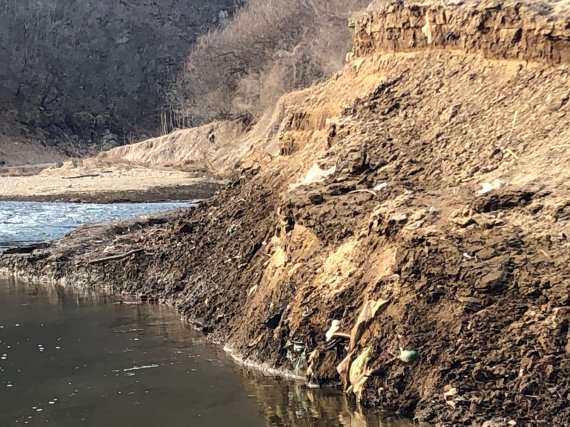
x,y
529,31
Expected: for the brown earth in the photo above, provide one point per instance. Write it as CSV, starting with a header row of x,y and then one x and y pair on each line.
x,y
421,199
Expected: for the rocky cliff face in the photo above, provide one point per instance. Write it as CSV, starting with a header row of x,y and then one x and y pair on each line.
x,y
532,30
83,73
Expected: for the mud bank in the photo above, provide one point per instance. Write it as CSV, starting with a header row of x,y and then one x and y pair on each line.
x,y
410,244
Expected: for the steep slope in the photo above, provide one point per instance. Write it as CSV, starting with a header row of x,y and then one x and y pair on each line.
x,y
212,149
418,212
84,73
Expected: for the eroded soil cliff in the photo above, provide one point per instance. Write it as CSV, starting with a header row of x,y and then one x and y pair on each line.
x,y
410,243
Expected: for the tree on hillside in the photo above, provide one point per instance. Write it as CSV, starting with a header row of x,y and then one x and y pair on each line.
x,y
269,48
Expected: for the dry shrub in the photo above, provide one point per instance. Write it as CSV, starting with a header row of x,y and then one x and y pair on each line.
x,y
269,48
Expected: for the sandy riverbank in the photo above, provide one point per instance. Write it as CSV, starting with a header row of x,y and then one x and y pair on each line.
x,y
107,185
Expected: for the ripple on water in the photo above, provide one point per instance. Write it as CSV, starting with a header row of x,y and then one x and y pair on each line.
x,y
170,377
32,222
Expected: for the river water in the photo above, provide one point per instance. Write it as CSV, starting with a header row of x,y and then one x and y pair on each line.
x,y
31,222
73,358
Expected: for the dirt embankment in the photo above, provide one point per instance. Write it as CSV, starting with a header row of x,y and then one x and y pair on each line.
x,y
410,243
212,149
186,164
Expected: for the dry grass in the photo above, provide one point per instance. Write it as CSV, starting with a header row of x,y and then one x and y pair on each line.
x,y
187,149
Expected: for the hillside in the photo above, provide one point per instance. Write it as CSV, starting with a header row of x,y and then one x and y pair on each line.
x,y
407,242
267,49
85,74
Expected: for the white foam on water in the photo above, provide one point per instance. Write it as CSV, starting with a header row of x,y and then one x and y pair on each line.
x,y
138,368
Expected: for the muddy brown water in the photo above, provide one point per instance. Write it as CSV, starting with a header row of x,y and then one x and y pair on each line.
x,y
71,358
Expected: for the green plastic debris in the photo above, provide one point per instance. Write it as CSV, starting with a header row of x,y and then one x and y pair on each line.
x,y
298,358
358,373
408,356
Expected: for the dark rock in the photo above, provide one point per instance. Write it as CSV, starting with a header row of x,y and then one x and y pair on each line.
x,y
273,321
26,249
316,198
494,202
184,228
491,281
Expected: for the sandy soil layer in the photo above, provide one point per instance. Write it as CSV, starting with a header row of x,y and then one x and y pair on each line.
x,y
107,185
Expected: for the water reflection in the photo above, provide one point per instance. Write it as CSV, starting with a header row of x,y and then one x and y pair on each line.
x,y
55,294
289,403
100,363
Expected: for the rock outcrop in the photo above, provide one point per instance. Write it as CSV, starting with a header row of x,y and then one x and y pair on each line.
x,y
532,30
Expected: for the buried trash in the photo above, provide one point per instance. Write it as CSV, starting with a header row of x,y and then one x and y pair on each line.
x,y
369,310
354,373
408,356
273,321
298,358
359,373
333,331
334,327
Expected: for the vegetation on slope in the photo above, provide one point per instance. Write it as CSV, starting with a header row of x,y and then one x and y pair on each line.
x,y
83,73
269,48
